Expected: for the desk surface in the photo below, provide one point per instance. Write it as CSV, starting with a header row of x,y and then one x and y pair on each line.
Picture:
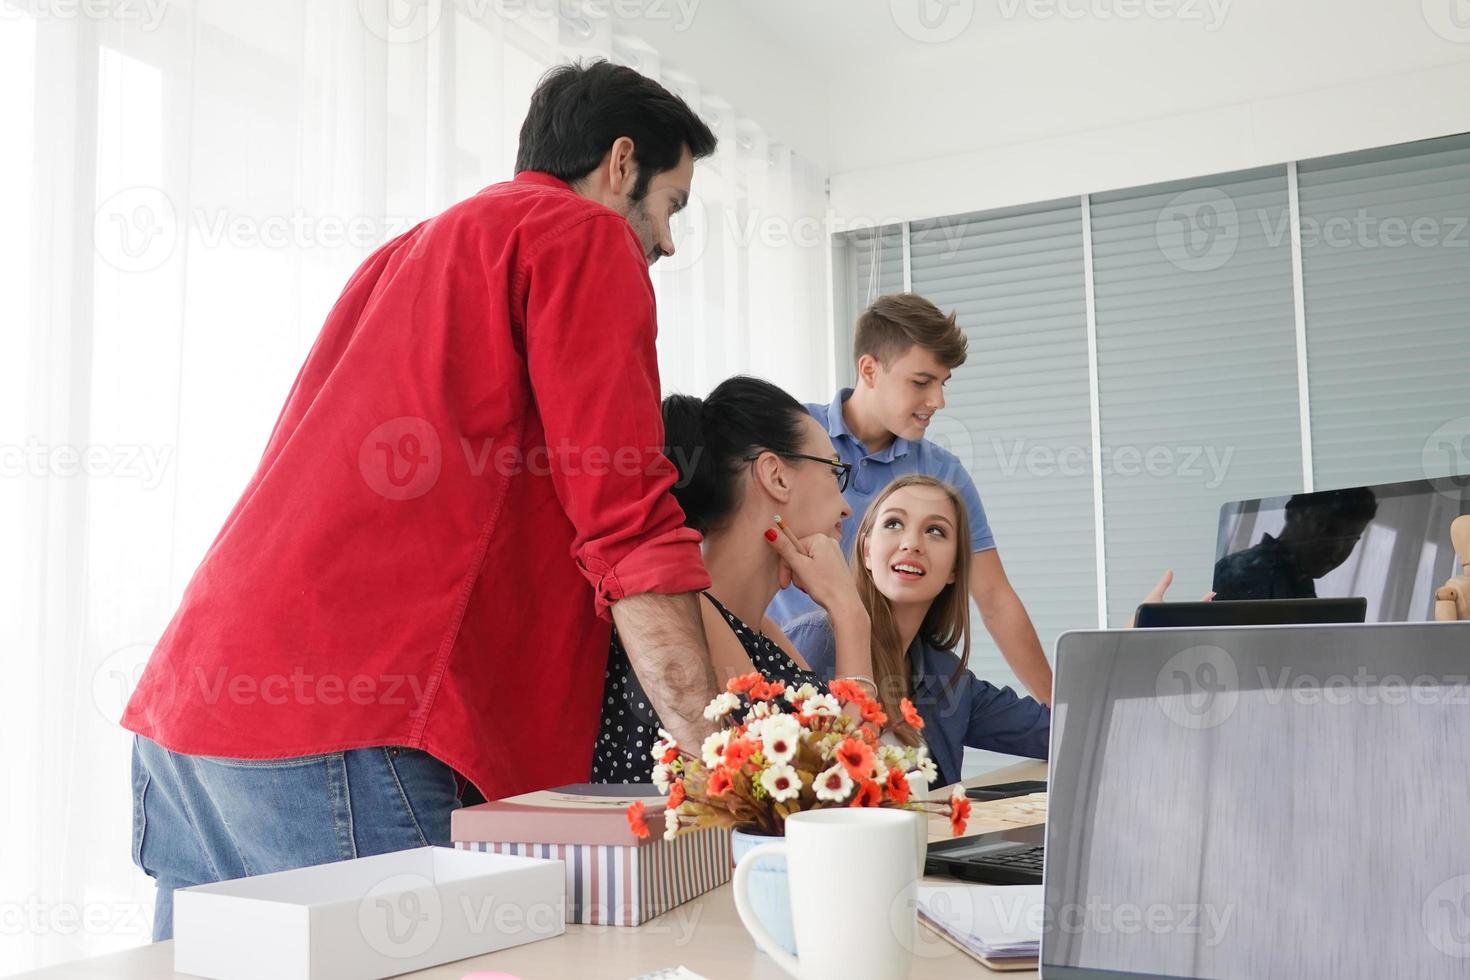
x,y
704,935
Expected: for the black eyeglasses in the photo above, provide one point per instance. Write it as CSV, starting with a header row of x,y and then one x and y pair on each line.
x,y
840,469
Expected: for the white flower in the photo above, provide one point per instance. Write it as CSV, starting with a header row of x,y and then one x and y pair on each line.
x,y
928,769
833,784
779,737
827,744
753,728
801,693
662,776
894,757
713,749
721,706
663,745
671,824
782,782
822,704
761,709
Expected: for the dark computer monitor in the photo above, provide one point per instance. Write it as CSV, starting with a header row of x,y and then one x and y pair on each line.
x,y
1389,543
1250,612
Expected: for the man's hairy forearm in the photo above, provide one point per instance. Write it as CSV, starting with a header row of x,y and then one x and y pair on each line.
x,y
664,637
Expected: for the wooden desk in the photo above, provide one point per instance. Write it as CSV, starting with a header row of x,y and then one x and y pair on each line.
x,y
704,935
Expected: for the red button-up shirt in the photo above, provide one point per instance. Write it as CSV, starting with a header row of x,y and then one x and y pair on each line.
x,y
466,474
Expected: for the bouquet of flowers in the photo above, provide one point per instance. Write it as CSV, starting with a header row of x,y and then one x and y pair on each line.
x,y
789,750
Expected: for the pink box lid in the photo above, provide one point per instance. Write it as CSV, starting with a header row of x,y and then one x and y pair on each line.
x,y
586,813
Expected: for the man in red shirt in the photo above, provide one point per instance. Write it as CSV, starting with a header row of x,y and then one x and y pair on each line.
x,y
464,491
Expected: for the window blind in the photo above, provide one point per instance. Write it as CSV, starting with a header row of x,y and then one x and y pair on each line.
x,y
1197,371
1386,280
1017,411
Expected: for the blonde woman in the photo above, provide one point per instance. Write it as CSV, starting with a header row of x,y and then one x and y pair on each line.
x,y
910,562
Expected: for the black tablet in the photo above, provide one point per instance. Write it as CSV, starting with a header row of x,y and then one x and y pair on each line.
x,y
1251,612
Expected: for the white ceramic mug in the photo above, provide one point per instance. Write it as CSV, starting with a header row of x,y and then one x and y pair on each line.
x,y
853,879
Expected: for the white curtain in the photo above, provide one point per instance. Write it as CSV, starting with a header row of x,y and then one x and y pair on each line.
x,y
184,189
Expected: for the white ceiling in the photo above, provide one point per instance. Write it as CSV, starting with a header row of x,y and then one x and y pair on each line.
x,y
863,86
995,73
842,34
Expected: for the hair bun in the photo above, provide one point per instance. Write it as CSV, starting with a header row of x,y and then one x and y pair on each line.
x,y
707,438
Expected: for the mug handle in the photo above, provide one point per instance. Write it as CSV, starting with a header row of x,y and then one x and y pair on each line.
x,y
748,918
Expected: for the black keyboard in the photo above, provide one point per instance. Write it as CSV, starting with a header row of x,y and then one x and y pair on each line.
x,y
1029,859
1019,865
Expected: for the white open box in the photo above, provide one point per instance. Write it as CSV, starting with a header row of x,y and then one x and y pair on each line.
x,y
367,918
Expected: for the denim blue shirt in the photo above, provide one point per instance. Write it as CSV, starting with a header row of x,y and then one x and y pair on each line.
x,y
871,472
968,712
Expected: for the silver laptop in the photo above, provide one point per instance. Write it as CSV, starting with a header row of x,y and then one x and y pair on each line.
x,y
1243,802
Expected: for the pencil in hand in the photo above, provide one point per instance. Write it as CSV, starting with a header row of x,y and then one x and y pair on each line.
x,y
789,535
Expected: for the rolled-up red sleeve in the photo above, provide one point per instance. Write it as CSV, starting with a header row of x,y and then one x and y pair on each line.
x,y
590,331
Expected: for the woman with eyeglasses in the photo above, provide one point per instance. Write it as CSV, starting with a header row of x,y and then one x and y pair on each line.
x,y
745,455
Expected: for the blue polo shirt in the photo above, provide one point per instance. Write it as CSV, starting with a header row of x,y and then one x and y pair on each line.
x,y
871,472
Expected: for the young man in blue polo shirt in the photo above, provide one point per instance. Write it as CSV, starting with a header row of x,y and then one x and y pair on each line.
x,y
906,351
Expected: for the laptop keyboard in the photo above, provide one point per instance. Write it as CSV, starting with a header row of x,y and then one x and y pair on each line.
x,y
1023,860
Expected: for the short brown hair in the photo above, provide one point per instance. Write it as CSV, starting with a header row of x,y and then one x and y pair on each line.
x,y
893,324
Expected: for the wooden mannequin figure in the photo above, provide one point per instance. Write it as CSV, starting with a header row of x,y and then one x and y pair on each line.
x,y
1452,600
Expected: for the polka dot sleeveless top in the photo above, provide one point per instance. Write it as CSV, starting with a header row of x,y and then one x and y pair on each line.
x,y
629,723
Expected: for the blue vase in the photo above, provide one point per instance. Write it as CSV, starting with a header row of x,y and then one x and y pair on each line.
x,y
769,893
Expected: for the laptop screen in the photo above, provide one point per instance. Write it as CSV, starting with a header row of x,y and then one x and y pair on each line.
x,y
1260,802
1390,543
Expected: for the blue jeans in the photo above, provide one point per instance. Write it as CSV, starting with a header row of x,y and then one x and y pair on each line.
x,y
198,819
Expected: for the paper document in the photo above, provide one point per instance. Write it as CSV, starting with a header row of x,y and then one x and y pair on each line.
x,y
994,921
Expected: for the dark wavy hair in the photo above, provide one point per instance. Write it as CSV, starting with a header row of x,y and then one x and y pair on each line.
x,y
707,440
1334,508
581,108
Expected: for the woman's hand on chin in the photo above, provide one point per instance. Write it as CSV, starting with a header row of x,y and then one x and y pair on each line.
x,y
818,569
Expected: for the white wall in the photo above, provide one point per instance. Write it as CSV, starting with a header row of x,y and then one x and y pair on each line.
x,y
989,103
750,66
1038,106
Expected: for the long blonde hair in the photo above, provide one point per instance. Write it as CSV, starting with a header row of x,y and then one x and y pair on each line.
x,y
947,623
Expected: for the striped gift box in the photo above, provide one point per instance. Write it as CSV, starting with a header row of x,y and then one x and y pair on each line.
x,y
613,877
624,885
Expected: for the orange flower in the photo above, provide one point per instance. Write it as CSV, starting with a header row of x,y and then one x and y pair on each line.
x,y
868,794
911,715
846,691
873,713
743,683
856,757
897,785
738,752
676,794
959,813
670,755
636,823
767,690
719,782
